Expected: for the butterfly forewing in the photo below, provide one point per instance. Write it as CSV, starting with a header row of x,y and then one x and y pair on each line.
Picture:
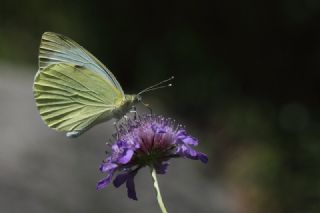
x,y
72,97
56,48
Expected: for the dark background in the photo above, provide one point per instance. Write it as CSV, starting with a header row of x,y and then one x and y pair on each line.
x,y
247,85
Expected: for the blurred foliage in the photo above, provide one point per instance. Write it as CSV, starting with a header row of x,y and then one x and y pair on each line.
x,y
246,79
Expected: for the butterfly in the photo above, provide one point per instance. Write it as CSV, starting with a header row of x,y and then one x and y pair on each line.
x,y
74,91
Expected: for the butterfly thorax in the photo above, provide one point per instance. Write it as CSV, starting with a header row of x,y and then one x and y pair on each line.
x,y
122,107
125,105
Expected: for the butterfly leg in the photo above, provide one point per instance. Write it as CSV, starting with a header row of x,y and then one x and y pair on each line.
x,y
134,110
117,130
149,108
109,144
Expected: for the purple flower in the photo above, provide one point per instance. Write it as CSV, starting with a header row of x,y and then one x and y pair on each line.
x,y
148,140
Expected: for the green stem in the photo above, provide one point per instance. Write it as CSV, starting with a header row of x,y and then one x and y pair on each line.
x,y
156,187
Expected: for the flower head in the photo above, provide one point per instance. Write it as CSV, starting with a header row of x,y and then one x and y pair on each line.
x,y
148,140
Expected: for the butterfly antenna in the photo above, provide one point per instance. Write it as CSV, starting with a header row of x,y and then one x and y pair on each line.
x,y
157,86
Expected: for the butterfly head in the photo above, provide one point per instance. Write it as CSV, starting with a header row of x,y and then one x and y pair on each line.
x,y
133,99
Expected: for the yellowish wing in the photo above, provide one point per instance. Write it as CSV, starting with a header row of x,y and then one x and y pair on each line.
x,y
72,98
56,49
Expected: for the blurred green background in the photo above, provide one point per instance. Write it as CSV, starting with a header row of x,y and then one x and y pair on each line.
x,y
247,85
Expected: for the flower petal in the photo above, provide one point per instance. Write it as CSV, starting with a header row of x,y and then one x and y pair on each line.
x,y
202,157
130,186
107,167
161,168
186,151
190,141
120,179
115,148
126,157
104,182
181,133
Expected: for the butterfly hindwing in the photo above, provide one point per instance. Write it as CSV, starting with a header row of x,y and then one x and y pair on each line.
x,y
72,97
